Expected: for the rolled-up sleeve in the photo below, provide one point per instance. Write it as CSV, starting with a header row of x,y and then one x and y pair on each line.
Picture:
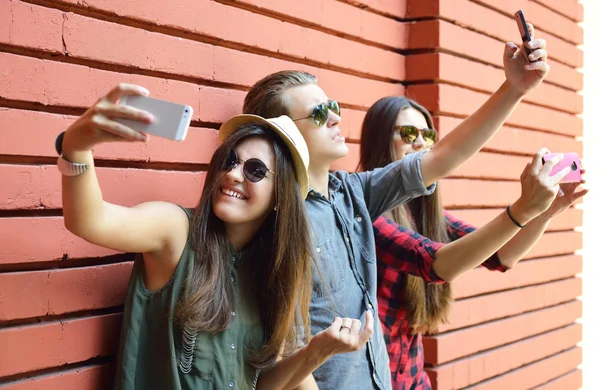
x,y
396,183
402,250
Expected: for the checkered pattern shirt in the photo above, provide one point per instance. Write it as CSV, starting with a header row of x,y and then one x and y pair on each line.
x,y
401,251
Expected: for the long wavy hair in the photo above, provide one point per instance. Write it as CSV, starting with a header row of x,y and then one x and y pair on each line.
x,y
277,262
428,304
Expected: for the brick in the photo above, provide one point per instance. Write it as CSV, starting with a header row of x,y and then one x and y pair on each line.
x,y
255,31
124,45
88,377
449,69
473,369
572,380
521,141
536,373
567,220
571,9
448,99
525,273
53,241
37,347
450,37
57,292
477,310
349,21
31,26
121,186
544,18
461,343
390,8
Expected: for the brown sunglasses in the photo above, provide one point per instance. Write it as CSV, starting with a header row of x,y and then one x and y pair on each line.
x,y
410,133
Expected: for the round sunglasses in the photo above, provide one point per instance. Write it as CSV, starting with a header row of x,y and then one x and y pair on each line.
x,y
253,169
409,134
320,113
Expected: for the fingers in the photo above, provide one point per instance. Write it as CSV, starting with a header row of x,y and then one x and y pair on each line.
x,y
103,123
124,89
510,49
366,333
540,66
347,324
336,324
355,327
531,30
556,178
536,162
539,54
109,109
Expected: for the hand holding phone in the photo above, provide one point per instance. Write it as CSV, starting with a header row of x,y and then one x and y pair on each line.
x,y
171,120
570,160
524,32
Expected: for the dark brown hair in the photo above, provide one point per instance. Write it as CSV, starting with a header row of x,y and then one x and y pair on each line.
x,y
267,97
428,304
276,265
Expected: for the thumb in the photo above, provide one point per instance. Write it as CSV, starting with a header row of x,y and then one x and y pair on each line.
x,y
366,333
510,49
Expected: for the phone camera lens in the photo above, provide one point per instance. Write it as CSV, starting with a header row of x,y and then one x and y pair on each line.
x,y
574,166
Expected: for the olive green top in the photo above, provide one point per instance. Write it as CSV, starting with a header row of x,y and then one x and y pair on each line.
x,y
155,353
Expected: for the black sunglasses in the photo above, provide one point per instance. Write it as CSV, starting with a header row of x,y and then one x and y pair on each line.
x,y
321,112
253,169
410,133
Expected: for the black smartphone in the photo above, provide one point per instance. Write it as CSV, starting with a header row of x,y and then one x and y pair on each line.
x,y
524,31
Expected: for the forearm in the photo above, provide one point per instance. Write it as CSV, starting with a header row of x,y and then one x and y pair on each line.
x,y
82,200
521,244
470,136
472,250
292,372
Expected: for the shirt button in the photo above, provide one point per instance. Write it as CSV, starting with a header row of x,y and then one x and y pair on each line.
x,y
347,239
401,371
359,219
232,346
370,306
233,314
318,250
230,384
404,345
232,279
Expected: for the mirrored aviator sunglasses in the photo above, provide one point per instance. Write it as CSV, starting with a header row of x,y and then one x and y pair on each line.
x,y
409,134
253,169
320,113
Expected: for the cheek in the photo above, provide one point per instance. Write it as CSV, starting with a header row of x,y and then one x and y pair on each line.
x,y
263,196
401,148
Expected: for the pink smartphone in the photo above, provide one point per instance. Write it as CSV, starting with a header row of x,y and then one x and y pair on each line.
x,y
570,159
171,120
523,31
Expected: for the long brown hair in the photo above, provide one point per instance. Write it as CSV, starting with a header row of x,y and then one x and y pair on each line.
x,y
276,265
428,304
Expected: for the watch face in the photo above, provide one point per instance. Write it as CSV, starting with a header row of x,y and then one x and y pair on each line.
x,y
58,143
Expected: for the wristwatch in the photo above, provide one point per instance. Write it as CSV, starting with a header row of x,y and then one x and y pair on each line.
x,y
65,166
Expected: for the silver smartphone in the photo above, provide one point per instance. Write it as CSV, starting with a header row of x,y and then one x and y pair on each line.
x,y
171,120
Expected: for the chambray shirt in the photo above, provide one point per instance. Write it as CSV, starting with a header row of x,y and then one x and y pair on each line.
x,y
345,272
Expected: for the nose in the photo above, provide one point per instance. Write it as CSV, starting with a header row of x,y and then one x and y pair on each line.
x,y
419,143
333,119
235,174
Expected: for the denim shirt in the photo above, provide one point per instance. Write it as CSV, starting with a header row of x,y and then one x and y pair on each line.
x,y
345,272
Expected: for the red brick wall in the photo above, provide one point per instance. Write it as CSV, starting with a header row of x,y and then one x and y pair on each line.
x,y
60,298
515,330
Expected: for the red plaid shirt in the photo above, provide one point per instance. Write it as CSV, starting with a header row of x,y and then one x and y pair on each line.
x,y
400,251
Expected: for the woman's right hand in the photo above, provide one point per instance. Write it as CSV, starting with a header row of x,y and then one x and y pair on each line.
x,y
538,188
344,335
97,124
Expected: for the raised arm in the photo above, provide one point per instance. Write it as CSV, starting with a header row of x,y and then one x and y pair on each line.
x,y
149,227
473,133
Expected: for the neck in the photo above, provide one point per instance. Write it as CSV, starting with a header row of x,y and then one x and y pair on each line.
x,y
240,235
318,178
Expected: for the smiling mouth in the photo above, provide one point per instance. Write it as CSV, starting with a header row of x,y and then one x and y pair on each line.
x,y
338,138
233,194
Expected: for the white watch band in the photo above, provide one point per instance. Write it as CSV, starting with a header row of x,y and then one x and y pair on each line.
x,y
69,168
